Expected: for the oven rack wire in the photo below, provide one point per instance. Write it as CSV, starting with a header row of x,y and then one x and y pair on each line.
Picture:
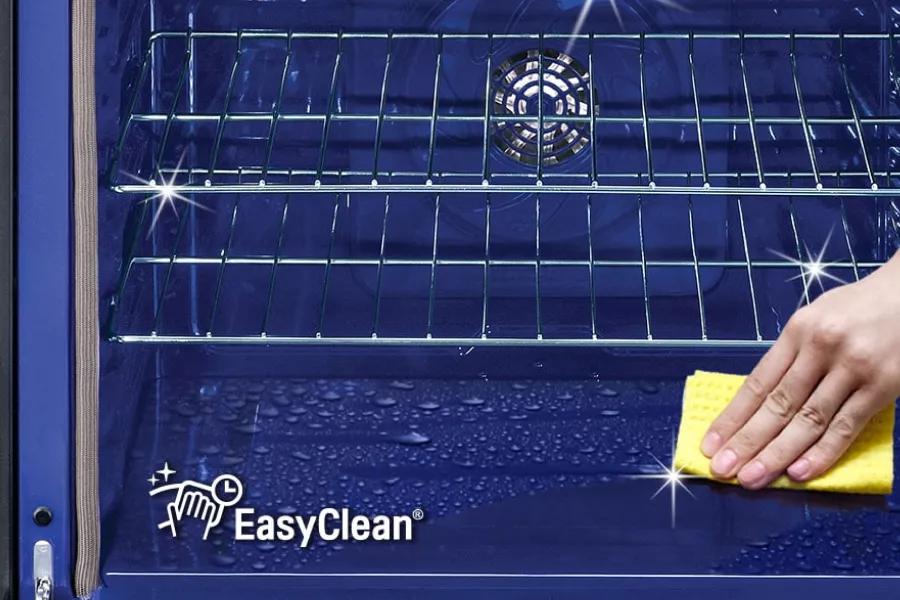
x,y
169,294
237,147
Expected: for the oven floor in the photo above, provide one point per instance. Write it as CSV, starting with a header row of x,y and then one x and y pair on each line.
x,y
515,478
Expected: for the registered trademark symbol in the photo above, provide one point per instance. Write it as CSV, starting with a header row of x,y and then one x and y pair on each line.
x,y
418,514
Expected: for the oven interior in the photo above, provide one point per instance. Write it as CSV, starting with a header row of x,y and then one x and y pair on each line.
x,y
337,262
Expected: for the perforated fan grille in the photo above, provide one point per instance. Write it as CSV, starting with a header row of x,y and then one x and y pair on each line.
x,y
566,92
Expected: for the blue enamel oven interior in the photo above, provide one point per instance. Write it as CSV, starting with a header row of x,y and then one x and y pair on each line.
x,y
520,456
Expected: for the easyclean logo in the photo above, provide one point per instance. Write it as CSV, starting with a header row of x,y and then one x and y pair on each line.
x,y
208,502
330,525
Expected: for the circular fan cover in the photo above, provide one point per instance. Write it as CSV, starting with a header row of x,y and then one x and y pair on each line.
x,y
566,92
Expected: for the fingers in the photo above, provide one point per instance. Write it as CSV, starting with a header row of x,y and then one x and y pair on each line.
x,y
774,413
768,372
805,427
849,420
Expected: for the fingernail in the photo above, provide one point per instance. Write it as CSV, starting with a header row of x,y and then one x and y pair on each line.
x,y
723,462
752,474
800,469
711,442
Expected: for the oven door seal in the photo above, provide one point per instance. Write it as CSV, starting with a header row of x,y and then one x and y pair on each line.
x,y
86,304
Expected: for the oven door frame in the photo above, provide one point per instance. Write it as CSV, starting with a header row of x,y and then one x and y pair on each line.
x,y
7,303
43,294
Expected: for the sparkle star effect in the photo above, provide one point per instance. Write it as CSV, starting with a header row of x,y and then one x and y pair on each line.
x,y
813,270
617,11
166,472
671,478
153,479
167,193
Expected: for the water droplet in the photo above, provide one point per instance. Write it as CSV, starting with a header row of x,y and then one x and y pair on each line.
x,y
248,428
402,385
843,565
268,411
281,400
647,387
385,402
474,401
186,410
223,560
413,438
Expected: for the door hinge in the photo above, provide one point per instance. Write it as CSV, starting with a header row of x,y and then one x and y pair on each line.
x,y
43,570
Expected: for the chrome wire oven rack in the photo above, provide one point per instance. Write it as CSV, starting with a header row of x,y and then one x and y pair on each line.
x,y
280,111
490,269
465,189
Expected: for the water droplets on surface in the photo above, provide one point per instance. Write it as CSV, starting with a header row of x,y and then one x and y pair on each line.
x,y
432,449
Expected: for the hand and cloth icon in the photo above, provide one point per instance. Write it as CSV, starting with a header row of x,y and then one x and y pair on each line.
x,y
206,502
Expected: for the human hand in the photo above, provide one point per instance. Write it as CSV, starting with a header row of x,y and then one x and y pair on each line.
x,y
835,365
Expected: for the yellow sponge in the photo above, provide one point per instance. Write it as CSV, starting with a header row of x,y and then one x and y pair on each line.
x,y
866,468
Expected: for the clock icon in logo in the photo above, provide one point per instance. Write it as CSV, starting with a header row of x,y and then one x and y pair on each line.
x,y
227,490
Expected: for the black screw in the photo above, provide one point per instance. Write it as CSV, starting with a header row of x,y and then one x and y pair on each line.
x,y
42,516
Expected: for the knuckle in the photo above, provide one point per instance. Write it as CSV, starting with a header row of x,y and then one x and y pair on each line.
x,y
779,403
775,454
755,386
861,359
812,417
744,442
799,321
828,333
844,427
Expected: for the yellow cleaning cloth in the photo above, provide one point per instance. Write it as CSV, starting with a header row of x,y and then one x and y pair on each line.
x,y
866,468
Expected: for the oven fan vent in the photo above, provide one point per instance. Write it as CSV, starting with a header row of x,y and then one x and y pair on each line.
x,y
566,93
